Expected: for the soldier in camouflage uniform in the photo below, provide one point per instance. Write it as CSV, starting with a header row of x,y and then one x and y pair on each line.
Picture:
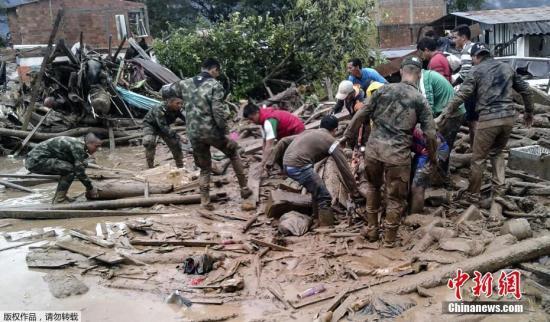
x,y
64,156
491,83
157,123
206,116
394,110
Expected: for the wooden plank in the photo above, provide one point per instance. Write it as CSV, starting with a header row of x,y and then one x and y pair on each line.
x,y
28,138
37,81
111,139
29,176
278,296
254,182
187,243
15,186
281,202
538,270
251,221
18,245
92,239
270,245
315,300
207,301
107,256
19,213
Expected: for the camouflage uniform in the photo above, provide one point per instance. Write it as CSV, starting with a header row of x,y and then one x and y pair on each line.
x,y
157,123
491,83
206,116
394,109
64,156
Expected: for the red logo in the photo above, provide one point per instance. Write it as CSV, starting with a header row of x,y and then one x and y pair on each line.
x,y
508,283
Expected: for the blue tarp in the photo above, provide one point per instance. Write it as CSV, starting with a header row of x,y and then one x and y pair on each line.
x,y
137,100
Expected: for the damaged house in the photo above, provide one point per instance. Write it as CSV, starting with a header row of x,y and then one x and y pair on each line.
x,y
30,21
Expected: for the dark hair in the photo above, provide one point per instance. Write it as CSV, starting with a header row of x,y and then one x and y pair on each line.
x,y
210,63
427,43
250,109
356,62
430,34
463,30
329,122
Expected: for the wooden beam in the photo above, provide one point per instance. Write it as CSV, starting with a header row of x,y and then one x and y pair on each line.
x,y
270,245
15,186
186,243
92,239
104,255
64,214
37,81
28,138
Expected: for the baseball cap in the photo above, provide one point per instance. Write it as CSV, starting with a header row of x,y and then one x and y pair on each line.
x,y
479,48
412,60
344,89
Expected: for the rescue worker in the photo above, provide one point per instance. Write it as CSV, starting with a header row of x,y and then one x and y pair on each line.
x,y
363,76
490,83
206,117
394,109
64,156
276,124
302,151
157,123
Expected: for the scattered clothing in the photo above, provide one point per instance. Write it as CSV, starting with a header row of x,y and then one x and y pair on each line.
x,y
421,171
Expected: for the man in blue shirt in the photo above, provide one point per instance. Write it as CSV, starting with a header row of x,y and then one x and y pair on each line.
x,y
363,76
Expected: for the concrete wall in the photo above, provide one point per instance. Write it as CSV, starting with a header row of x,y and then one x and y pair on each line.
x,y
396,18
32,23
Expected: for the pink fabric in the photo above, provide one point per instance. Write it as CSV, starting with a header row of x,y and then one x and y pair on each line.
x,y
440,64
288,124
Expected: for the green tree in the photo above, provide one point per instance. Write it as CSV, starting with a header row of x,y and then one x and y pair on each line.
x,y
311,41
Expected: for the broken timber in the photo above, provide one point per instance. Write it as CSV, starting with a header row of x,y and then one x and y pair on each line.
x,y
281,202
15,186
270,245
186,243
100,254
523,251
129,202
92,239
64,214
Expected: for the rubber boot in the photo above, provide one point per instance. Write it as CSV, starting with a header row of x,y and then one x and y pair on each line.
x,y
61,197
150,158
204,184
239,172
326,217
390,235
498,180
371,231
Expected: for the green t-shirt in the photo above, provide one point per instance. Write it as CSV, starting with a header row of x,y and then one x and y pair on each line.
x,y
438,91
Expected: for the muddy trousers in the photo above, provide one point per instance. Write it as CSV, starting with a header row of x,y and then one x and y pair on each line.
x,y
64,169
396,179
150,144
449,132
309,179
203,159
489,142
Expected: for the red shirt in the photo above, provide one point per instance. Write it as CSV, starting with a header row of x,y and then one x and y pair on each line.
x,y
440,64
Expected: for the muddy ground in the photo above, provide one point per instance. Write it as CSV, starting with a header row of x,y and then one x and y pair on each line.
x,y
128,292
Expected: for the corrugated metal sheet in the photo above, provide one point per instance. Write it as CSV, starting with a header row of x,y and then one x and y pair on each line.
x,y
16,3
493,17
530,28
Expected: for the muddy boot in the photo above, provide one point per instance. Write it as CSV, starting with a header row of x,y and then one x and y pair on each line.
x,y
61,197
239,172
179,163
150,158
371,231
326,217
390,235
204,183
246,192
